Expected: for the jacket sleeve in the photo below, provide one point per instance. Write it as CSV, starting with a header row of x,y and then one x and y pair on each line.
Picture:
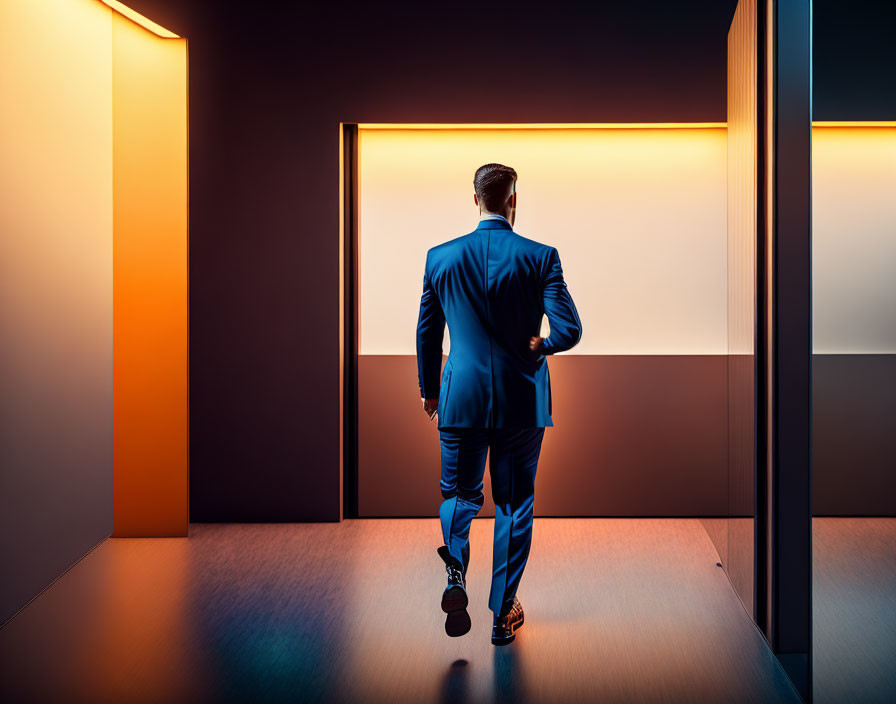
x,y
430,333
566,328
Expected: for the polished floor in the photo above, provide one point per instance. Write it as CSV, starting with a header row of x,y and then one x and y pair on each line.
x,y
854,610
617,610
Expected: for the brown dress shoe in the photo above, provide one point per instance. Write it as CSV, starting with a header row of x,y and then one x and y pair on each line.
x,y
505,626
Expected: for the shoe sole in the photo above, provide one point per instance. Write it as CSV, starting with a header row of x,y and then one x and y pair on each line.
x,y
454,604
514,627
457,623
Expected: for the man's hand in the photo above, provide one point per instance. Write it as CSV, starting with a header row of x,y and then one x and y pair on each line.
x,y
535,344
430,405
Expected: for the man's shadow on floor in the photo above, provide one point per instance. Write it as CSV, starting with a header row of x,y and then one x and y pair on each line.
x,y
455,688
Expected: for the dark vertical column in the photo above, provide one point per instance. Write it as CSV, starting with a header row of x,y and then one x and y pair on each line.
x,y
762,383
350,321
788,336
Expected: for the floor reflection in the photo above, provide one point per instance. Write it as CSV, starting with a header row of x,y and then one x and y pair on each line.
x,y
854,610
510,680
616,610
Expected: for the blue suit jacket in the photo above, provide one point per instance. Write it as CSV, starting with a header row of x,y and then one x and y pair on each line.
x,y
492,287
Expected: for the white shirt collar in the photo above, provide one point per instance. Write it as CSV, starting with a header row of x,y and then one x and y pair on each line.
x,y
493,216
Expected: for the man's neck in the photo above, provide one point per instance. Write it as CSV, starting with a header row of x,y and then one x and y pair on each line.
x,y
487,214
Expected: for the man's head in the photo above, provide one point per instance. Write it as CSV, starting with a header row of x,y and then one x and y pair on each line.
x,y
495,186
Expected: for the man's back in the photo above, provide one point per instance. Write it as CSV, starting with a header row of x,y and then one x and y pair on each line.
x,y
492,287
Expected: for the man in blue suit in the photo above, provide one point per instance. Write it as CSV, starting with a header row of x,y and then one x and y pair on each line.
x,y
492,287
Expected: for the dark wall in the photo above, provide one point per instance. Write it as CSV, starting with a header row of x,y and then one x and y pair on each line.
x,y
853,443
269,84
633,435
853,60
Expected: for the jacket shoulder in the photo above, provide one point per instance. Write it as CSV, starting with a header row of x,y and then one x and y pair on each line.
x,y
537,248
445,247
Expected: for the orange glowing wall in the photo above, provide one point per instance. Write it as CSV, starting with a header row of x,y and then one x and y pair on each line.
x,y
149,269
93,228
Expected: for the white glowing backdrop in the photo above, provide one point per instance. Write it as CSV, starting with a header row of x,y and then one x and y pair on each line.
x,y
639,219
638,216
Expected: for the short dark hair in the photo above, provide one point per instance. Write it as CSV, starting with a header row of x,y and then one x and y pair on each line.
x,y
493,185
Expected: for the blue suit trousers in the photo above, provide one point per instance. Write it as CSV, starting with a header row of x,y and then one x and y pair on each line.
x,y
512,464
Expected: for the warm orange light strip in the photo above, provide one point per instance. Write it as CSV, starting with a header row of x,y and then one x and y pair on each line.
x,y
844,123
540,126
591,125
140,19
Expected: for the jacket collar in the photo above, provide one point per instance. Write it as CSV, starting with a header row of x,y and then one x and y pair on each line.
x,y
494,224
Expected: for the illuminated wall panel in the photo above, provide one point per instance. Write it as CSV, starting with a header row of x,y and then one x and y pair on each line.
x,y
854,318
742,156
854,239
150,276
55,289
735,544
638,216
660,261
